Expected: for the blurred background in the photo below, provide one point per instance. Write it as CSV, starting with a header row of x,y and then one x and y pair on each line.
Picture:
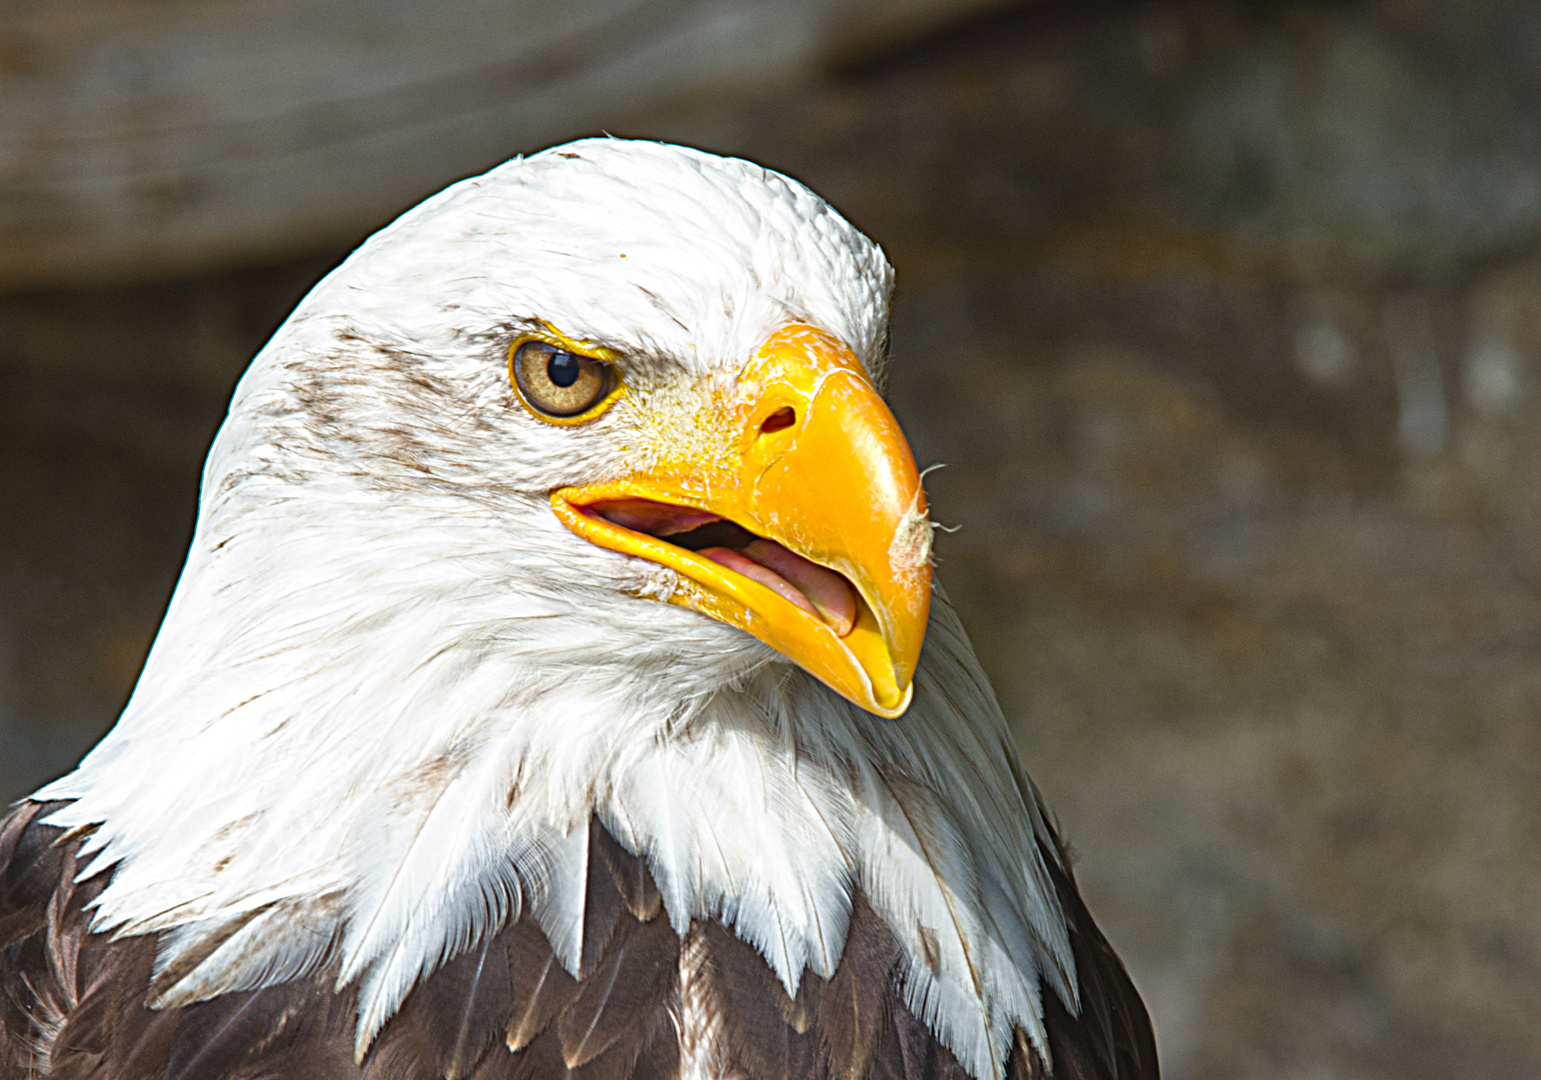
x,y
1225,318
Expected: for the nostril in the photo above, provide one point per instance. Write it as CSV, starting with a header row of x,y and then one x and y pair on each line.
x,y
783,417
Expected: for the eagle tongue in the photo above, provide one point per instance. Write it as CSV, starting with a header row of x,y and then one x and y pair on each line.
x,y
829,592
817,590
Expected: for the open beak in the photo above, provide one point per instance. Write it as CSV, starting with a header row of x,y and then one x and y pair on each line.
x,y
794,511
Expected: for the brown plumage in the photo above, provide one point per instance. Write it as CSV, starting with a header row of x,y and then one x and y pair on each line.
x,y
74,1004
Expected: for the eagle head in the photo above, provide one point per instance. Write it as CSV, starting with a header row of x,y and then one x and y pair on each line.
x,y
567,506
669,355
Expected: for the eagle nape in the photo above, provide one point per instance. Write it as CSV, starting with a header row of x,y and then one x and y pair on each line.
x,y
556,689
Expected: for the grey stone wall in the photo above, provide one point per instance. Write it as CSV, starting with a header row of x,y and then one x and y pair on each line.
x,y
1226,321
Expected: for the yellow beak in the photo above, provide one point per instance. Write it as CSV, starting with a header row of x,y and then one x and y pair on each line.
x,y
803,452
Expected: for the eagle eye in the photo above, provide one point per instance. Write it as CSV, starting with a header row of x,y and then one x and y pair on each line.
x,y
557,384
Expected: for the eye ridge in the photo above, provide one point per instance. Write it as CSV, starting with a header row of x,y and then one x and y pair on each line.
x,y
557,384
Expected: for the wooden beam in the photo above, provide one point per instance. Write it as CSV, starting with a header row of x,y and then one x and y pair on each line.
x,y
140,140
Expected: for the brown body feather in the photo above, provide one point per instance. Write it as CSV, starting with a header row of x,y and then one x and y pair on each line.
x,y
74,1004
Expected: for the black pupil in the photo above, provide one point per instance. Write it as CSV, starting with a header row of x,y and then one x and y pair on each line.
x,y
562,369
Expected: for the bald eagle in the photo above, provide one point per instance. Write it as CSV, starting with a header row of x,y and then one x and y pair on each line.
x,y
556,688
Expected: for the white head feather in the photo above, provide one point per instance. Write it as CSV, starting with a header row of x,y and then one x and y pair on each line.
x,y
391,690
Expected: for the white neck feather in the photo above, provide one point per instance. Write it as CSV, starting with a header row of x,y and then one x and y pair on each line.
x,y
380,803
